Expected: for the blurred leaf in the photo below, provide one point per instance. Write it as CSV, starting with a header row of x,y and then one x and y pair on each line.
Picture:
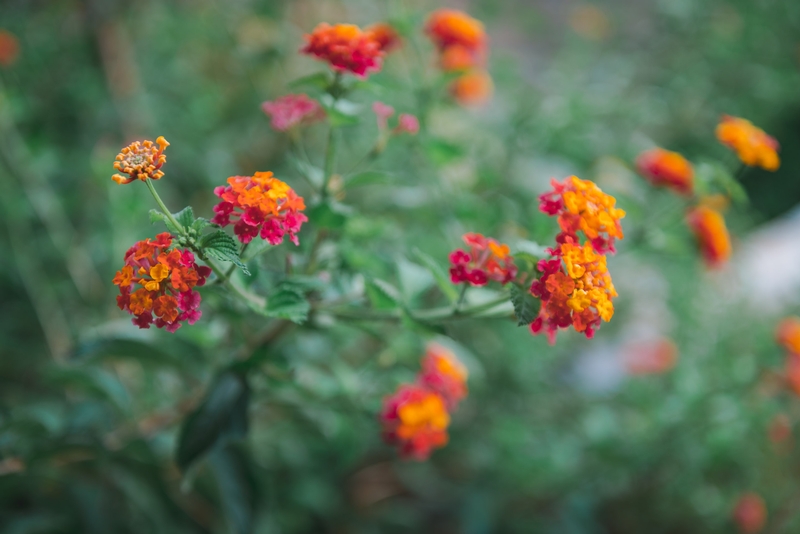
x,y
288,302
235,486
311,172
221,246
318,80
329,215
369,178
439,273
414,279
221,417
185,216
383,295
340,112
526,306
442,152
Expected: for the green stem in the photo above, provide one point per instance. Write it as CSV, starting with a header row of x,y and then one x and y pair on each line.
x,y
434,315
457,308
163,206
330,161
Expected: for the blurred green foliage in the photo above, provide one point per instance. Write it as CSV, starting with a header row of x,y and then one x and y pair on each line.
x,y
551,439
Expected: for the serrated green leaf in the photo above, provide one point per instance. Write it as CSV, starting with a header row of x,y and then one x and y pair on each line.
x,y
221,417
526,306
288,303
439,275
221,246
200,224
185,216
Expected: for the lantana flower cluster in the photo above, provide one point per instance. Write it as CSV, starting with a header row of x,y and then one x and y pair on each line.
x,y
415,418
788,336
260,205
462,45
140,161
485,259
166,280
347,48
575,286
664,168
708,226
289,111
754,147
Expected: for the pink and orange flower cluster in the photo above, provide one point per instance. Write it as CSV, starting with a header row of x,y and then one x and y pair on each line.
x,y
260,205
166,280
485,260
575,286
415,418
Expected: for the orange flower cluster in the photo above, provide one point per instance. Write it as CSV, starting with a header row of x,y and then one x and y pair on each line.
x,y
486,260
668,169
141,161
347,48
753,146
750,513
788,336
708,225
576,290
581,206
385,35
416,416
462,44
167,278
260,205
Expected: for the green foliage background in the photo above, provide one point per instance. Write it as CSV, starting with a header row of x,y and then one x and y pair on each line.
x,y
91,408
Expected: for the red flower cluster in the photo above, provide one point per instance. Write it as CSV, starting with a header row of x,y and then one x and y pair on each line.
x,y
462,45
750,513
486,260
346,48
260,205
581,205
416,416
167,278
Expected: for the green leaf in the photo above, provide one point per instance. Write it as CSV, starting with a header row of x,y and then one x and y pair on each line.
x,y
220,418
414,279
200,224
319,80
383,295
340,112
235,486
440,275
312,173
157,216
369,178
286,302
329,215
221,246
442,152
185,216
526,306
